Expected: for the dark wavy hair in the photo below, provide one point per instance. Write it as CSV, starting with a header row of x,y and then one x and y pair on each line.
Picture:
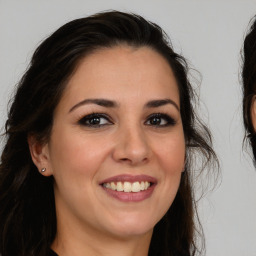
x,y
249,82
27,208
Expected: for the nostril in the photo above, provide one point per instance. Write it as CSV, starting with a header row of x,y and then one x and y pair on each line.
x,y
125,159
133,160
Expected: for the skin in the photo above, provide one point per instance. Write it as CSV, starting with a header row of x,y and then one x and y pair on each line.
x,y
253,112
128,141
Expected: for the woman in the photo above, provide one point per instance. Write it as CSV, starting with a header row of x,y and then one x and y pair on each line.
x,y
249,85
101,137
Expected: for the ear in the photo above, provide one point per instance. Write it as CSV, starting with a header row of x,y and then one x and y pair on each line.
x,y
253,112
40,155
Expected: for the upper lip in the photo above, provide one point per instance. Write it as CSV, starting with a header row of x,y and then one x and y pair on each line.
x,y
130,178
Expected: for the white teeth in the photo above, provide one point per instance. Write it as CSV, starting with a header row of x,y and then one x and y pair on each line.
x,y
113,185
119,186
128,186
142,185
107,185
136,186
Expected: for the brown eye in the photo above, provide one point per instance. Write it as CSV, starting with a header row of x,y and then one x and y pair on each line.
x,y
155,121
95,120
160,120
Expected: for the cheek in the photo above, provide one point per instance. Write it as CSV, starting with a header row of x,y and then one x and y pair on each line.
x,y
253,113
76,156
171,157
75,162
171,154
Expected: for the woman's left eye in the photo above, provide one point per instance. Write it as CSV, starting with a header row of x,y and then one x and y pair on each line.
x,y
95,120
161,120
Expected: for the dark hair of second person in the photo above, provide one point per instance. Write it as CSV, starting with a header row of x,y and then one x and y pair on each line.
x,y
249,85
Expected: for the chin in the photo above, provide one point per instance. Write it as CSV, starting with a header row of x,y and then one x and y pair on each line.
x,y
129,232
131,226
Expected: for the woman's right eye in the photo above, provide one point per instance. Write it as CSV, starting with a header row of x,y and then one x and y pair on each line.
x,y
95,120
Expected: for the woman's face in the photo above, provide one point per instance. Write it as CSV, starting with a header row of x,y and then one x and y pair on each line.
x,y
253,112
117,148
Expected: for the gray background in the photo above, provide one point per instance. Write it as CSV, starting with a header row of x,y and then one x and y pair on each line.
x,y
209,34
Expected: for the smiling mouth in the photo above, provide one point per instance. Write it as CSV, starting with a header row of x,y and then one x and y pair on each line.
x,y
127,186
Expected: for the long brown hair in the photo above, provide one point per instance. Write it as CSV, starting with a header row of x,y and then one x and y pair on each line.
x,y
249,82
27,212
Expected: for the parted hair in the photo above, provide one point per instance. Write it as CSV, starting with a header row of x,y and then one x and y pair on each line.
x,y
27,207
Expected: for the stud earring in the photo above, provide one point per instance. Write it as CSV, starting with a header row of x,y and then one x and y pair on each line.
x,y
43,169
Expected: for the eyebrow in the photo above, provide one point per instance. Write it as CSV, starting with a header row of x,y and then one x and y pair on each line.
x,y
101,102
112,104
162,102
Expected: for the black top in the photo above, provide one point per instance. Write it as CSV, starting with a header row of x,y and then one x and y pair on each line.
x,y
52,253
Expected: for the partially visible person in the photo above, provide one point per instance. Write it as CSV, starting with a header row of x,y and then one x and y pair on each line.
x,y
101,140
249,85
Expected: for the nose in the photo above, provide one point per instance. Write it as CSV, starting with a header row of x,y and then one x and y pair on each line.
x,y
132,146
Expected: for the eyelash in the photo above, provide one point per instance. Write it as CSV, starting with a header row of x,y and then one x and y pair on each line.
x,y
85,121
169,121
88,120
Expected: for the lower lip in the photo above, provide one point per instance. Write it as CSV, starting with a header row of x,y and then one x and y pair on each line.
x,y
131,196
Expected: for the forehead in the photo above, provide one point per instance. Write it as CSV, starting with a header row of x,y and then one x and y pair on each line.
x,y
123,71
